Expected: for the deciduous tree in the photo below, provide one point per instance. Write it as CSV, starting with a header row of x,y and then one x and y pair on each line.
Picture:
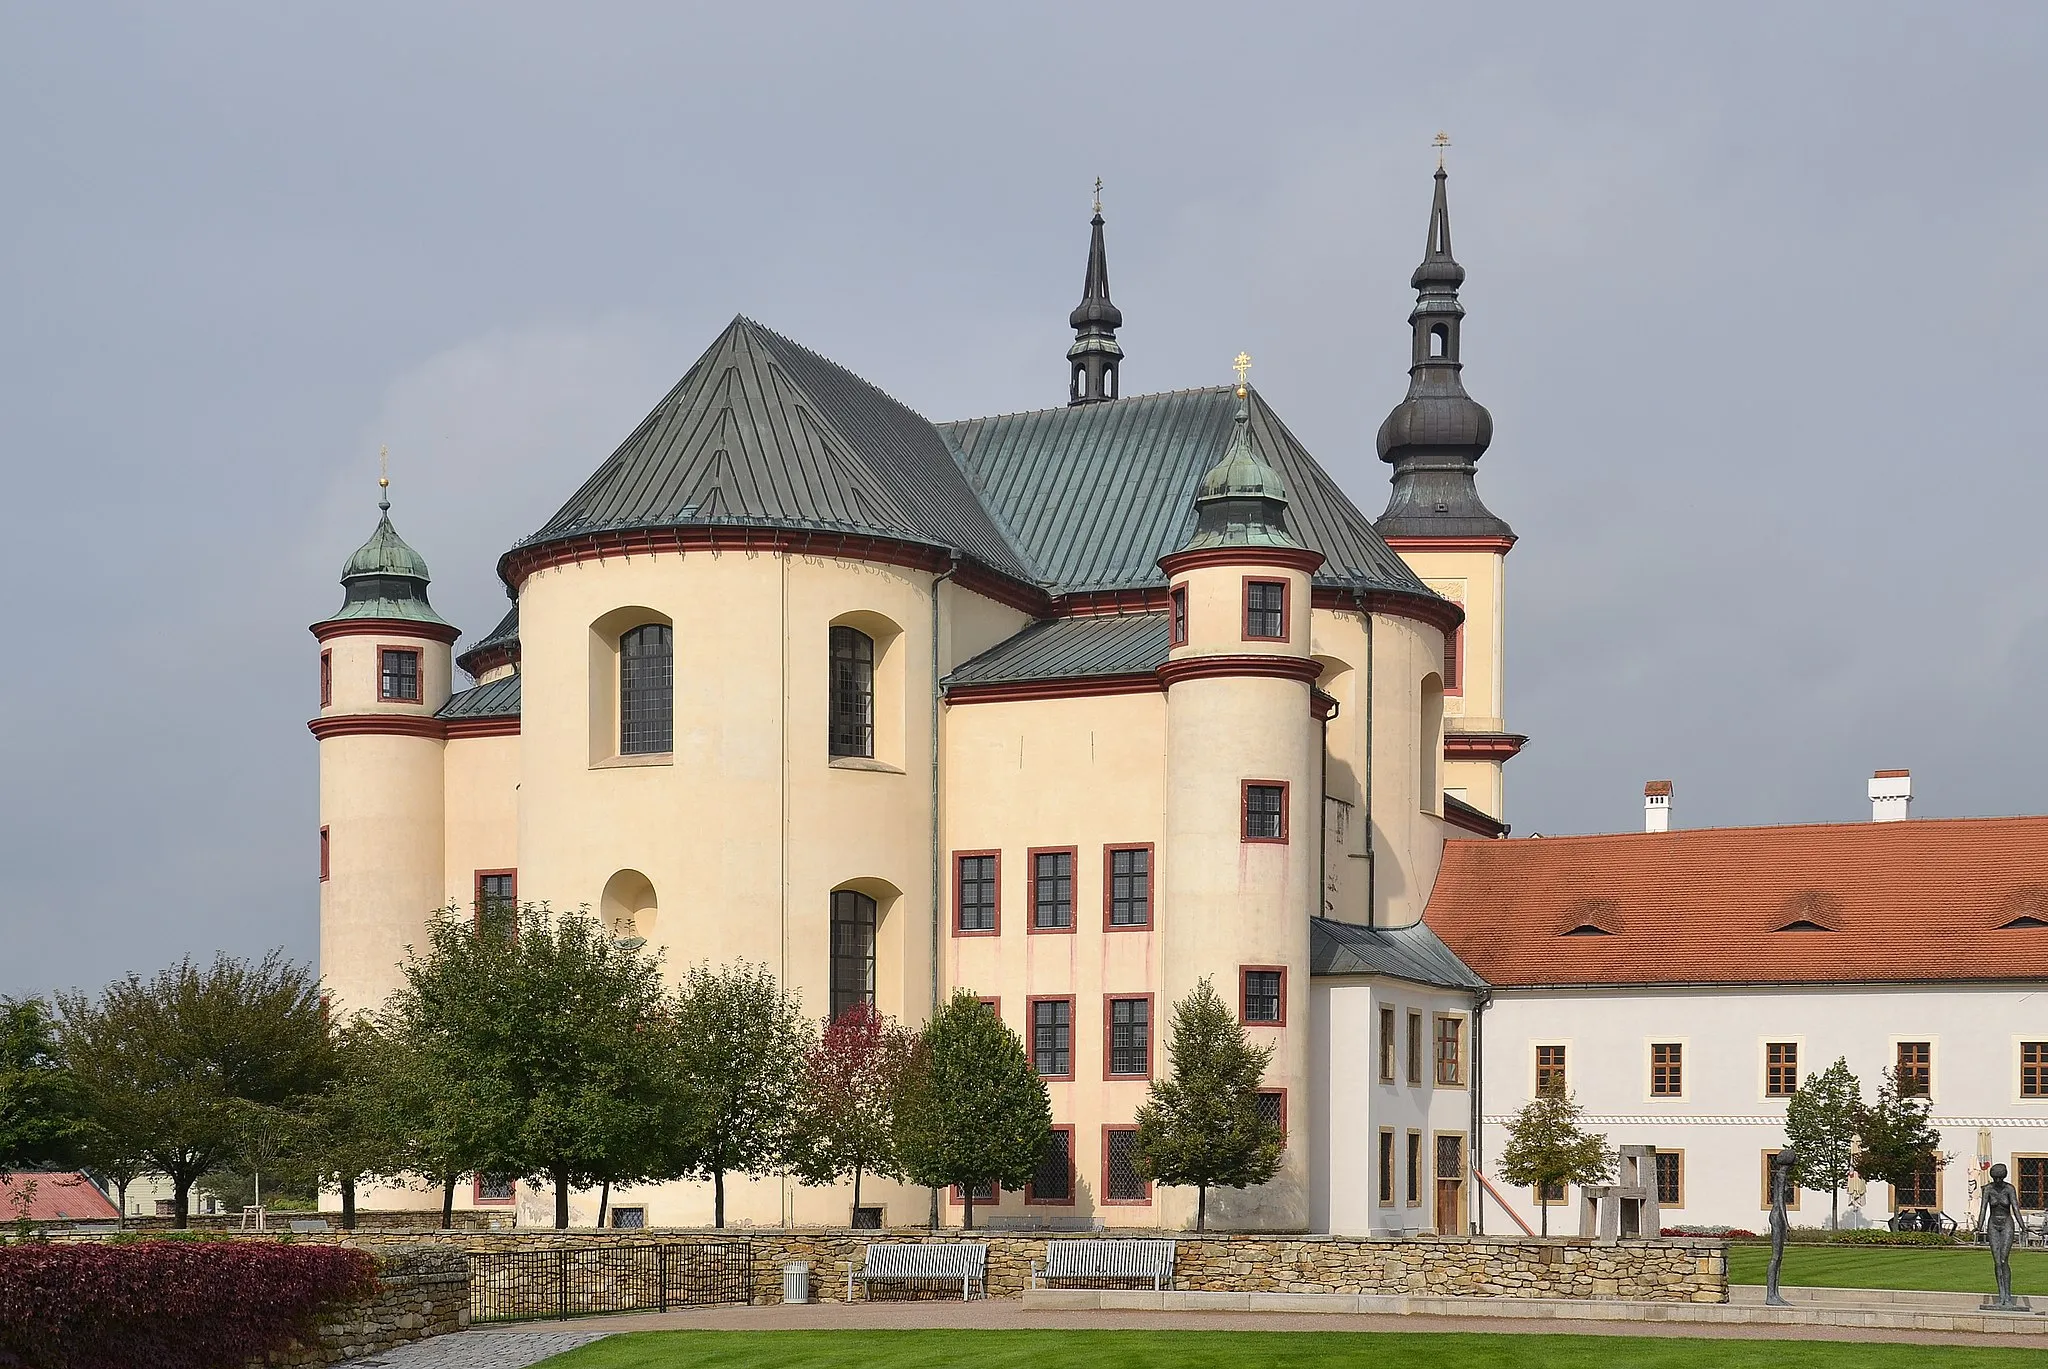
x,y
740,1044
847,1097
971,1111
1897,1143
1821,1121
42,1116
1546,1147
1200,1126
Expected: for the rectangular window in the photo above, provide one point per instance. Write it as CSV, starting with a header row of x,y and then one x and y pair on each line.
x,y
1265,811
1052,1037
1052,890
1263,999
1178,597
634,1218
1915,1073
1386,1045
867,1218
1414,1187
2034,1069
1386,1167
2030,1176
1670,1178
647,694
1454,660
1415,1048
1130,1037
1265,610
1450,1049
495,1188
1552,1194
1127,885
497,891
984,1192
1272,1104
326,678
1781,1070
1919,1189
1549,1070
852,688
976,893
1121,1182
852,937
1667,1069
399,674
323,855
1053,1181
1791,1198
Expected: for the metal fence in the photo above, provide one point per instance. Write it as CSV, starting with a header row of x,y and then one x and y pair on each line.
x,y
575,1281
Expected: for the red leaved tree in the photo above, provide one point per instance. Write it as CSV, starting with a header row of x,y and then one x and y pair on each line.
x,y
846,1113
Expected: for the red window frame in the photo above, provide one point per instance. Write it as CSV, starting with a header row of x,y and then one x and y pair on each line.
x,y
1031,1032
323,854
994,1003
1244,811
1454,661
1073,854
1108,1031
1177,616
995,927
1281,1094
1242,986
327,679
419,673
476,889
1102,1197
1031,1199
477,1198
1244,623
1109,886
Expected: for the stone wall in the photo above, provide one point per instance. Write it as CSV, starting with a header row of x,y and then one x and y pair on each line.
x,y
421,1291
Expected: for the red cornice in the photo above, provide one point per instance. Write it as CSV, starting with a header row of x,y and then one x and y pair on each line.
x,y
1215,667
1100,602
384,627
478,662
1088,687
1483,746
1294,558
498,725
1500,545
1322,707
1466,818
378,725
1423,608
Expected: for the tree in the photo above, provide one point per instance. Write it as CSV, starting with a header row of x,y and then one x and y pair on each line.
x,y
847,1100
352,1130
1546,1148
172,1067
1821,1121
1897,1142
535,1044
740,1045
42,1116
1200,1126
971,1111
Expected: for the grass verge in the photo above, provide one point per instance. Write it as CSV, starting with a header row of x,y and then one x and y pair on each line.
x,y
1962,1270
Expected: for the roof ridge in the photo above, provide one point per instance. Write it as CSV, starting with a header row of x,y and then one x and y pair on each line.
x,y
1865,825
943,424
820,357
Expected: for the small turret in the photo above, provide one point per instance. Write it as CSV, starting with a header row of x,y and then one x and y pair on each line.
x,y
1093,360
385,578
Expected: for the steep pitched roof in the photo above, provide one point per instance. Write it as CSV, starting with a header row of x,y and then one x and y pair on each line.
x,y
498,699
763,432
1094,494
54,1197
1415,954
1929,899
1072,648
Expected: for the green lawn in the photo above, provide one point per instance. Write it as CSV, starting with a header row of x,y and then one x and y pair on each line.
x,y
1249,1349
1849,1266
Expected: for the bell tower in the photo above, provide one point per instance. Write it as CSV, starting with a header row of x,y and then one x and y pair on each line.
x,y
1093,360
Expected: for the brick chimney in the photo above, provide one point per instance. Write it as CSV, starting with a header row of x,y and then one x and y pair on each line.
x,y
1891,795
1657,806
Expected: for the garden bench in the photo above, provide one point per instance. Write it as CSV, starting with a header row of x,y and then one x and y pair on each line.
x,y
954,1262
1106,1259
307,1228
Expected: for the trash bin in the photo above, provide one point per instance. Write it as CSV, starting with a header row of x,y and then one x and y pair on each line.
x,y
796,1281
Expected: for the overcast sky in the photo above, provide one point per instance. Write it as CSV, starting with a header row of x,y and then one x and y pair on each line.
x,y
1756,295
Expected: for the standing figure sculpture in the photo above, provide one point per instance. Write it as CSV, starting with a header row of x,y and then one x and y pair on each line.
x,y
1998,1217
1782,1166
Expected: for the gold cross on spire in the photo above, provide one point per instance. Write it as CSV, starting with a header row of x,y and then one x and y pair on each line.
x,y
1441,141
1098,194
1242,365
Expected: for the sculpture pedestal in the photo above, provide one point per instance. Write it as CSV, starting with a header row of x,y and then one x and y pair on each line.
x,y
2017,1305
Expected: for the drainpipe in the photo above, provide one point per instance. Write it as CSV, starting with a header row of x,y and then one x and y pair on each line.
x,y
1480,999
1372,862
1323,830
952,563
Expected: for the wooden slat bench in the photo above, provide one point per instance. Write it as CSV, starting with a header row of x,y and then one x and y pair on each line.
x,y
1106,1259
948,1263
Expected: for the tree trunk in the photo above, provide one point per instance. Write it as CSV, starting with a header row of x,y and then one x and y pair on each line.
x,y
968,1223
561,1200
181,1201
1542,1212
121,1199
604,1200
1201,1207
348,1203
855,1219
1834,1209
718,1198
448,1203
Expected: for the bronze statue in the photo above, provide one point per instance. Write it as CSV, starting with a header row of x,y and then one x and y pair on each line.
x,y
1999,1219
1782,1165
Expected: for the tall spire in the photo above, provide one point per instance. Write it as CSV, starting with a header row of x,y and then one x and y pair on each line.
x,y
1093,359
1242,501
1435,436
385,578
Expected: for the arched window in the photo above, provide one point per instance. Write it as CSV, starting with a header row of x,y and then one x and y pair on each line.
x,y
1430,744
647,690
853,949
1439,340
853,692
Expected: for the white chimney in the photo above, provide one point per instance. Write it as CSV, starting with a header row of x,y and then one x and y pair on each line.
x,y
1657,806
1891,795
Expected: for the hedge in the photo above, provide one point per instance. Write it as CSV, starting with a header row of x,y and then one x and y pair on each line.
x,y
168,1304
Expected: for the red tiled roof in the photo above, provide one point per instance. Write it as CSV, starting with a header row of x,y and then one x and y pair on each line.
x,y
53,1198
1875,901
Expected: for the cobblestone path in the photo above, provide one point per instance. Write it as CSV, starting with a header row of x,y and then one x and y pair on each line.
x,y
481,1349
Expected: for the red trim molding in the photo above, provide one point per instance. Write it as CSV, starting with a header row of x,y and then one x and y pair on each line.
x,y
1017,691
1109,1002
384,627
1031,1199
1242,987
378,725
1294,558
1244,811
1281,1094
1423,608
1501,545
495,725
1483,746
419,673
1031,1031
995,927
477,662
1073,855
1244,624
1109,886
1322,707
1300,668
1097,602
1102,1198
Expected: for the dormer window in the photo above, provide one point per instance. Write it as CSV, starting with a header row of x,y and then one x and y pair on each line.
x,y
398,674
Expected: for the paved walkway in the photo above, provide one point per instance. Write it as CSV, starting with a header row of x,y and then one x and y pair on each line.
x,y
484,1348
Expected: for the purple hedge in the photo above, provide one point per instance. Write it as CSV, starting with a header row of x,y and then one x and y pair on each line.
x,y
167,1304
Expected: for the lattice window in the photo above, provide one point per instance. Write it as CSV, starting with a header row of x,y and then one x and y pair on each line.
x,y
1415,1048
1670,1178
1179,597
647,690
1122,1182
1450,1157
853,949
629,1218
1667,1070
853,692
1414,1188
1262,995
1265,812
2031,1178
1265,609
496,894
867,1219
1052,890
496,1188
1915,1072
1130,886
1781,1069
1130,1036
1386,1045
1450,1050
1549,1070
1053,1180
399,675
977,893
2034,1069
1272,1107
1386,1168
1552,1194
1052,1037
1918,1189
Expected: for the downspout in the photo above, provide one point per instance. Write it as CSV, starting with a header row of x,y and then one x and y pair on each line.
x,y
951,564
1323,832
1372,861
1480,998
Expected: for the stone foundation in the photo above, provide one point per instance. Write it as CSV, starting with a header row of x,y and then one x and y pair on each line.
x,y
421,1291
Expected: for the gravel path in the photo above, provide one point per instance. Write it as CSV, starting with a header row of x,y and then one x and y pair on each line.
x,y
481,1349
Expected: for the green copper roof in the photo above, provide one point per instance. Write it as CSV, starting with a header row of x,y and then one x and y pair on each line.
x,y
1241,502
498,699
385,578
1072,648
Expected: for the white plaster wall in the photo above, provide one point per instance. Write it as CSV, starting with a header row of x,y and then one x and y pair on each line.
x,y
1724,1123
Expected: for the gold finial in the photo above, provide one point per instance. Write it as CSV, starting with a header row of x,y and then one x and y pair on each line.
x,y
1242,365
1098,194
384,476
1441,141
